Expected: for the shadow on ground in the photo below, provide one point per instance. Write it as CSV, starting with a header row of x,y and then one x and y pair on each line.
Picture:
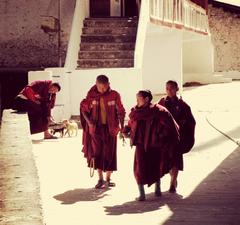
x,y
81,194
215,201
152,204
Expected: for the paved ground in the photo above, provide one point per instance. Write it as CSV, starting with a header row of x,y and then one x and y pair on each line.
x,y
208,191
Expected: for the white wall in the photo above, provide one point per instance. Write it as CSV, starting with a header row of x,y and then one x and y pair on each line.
x,y
62,106
198,61
162,59
125,81
80,13
198,56
39,75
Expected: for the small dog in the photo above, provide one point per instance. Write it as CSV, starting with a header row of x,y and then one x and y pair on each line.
x,y
57,130
71,127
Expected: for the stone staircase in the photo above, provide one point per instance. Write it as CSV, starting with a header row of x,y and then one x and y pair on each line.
x,y
107,43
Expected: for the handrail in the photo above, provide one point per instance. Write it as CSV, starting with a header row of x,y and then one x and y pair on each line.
x,y
143,20
180,12
74,41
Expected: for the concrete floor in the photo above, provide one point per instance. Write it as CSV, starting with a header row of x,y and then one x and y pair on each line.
x,y
208,189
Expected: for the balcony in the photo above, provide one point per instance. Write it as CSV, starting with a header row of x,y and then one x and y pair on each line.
x,y
181,14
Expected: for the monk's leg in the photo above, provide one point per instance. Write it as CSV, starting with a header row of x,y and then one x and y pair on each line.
x,y
101,182
173,183
158,188
141,193
108,179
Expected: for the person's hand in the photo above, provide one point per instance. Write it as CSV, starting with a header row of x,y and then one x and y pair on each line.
x,y
37,96
122,137
50,120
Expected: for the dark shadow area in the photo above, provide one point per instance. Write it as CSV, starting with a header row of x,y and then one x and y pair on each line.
x,y
81,194
151,204
216,141
215,201
11,81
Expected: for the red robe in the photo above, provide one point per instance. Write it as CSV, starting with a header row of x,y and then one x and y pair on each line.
x,y
102,144
181,112
37,113
155,136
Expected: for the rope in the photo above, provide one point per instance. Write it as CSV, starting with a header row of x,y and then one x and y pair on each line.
x,y
221,132
92,166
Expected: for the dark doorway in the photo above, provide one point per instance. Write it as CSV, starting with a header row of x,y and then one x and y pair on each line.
x,y
131,8
100,8
12,81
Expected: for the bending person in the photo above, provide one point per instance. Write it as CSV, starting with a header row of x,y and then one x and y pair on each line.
x,y
37,99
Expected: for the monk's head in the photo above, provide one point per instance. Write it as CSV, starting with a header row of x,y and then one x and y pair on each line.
x,y
171,88
102,83
54,88
144,98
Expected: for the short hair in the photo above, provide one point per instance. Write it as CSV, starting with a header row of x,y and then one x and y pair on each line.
x,y
57,85
103,79
173,83
146,94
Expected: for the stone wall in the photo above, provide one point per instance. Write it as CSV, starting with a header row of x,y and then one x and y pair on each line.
x,y
225,30
22,41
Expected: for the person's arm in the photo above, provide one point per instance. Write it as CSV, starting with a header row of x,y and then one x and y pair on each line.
x,y
85,113
31,95
86,117
120,111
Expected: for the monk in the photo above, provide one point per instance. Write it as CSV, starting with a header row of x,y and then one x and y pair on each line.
x,y
37,99
182,114
155,136
102,117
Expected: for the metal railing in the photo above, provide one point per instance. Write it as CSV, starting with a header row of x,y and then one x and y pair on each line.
x,y
180,12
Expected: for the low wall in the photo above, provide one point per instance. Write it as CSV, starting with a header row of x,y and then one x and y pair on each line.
x,y
19,184
125,81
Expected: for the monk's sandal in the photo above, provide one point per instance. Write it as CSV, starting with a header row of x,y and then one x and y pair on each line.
x,y
100,184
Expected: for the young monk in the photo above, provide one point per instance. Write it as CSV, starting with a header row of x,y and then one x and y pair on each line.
x,y
181,112
155,136
101,113
37,99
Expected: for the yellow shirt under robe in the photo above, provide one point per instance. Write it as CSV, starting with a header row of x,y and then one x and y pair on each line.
x,y
103,111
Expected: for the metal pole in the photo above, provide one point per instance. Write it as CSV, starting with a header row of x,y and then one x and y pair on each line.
x,y
59,34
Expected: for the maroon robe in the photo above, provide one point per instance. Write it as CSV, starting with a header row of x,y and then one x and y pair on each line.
x,y
37,113
155,136
181,112
101,144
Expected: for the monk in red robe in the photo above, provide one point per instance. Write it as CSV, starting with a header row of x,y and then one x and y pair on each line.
x,y
101,113
155,136
37,99
182,114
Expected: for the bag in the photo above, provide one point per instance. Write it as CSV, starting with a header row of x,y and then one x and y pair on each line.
x,y
187,136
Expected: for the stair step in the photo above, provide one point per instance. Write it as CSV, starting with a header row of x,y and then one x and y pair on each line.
x,y
109,38
106,55
109,30
105,63
110,23
112,18
106,46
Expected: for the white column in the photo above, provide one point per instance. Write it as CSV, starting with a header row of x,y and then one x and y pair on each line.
x,y
165,51
115,9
